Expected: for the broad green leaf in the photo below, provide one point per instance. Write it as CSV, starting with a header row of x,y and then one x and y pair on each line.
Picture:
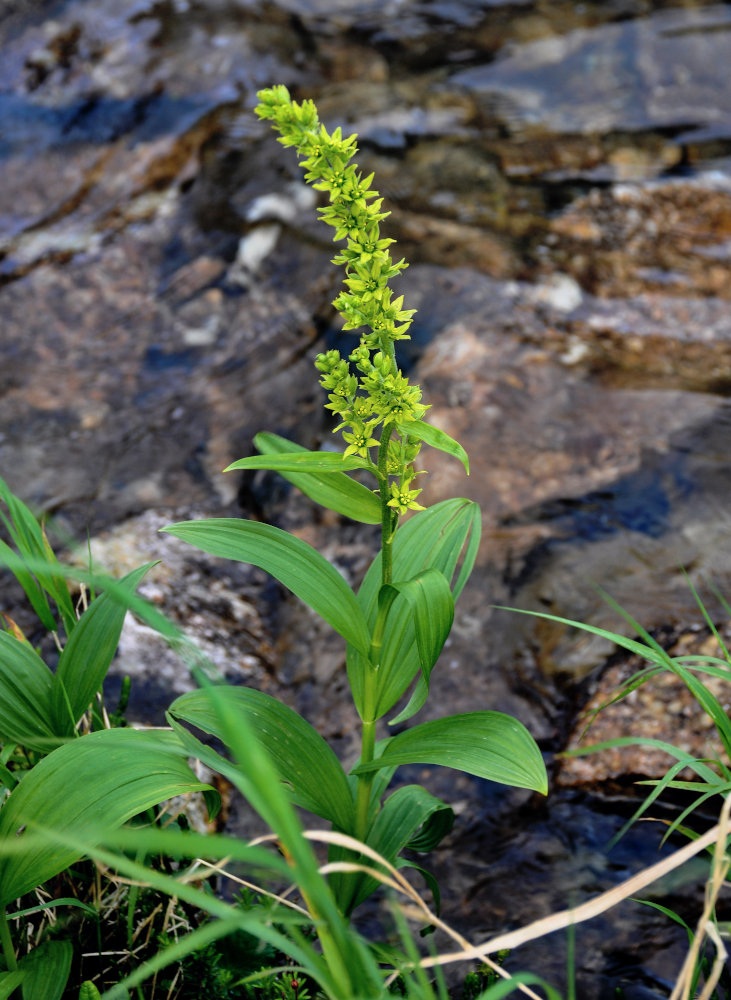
x,y
432,608
411,817
47,970
348,968
333,490
488,744
301,461
86,658
304,761
445,538
9,982
436,438
89,991
25,695
101,779
293,562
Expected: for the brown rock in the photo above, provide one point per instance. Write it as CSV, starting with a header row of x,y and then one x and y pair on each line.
x,y
665,236
662,708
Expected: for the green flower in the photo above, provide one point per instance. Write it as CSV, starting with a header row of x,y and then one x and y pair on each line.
x,y
360,440
403,499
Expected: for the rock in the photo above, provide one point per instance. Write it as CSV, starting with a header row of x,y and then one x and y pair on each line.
x,y
654,74
662,708
671,236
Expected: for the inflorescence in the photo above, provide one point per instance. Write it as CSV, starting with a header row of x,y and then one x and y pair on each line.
x,y
367,391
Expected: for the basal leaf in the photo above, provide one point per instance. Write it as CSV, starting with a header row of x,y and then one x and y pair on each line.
x,y
47,970
304,761
25,695
333,490
345,961
86,658
436,438
293,562
99,780
488,744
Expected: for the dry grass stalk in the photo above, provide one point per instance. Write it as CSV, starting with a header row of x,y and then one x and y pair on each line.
x,y
706,927
593,907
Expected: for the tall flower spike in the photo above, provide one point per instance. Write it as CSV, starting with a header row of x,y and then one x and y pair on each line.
x,y
379,394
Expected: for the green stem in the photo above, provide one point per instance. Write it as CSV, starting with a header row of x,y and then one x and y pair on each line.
x,y
365,781
387,519
368,736
7,942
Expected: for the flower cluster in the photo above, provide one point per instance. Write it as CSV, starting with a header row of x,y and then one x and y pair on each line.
x,y
367,391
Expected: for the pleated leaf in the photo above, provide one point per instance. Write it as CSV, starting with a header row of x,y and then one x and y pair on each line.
x,y
9,982
88,991
100,780
445,538
488,744
347,968
432,609
46,970
25,695
293,562
86,658
301,461
333,489
411,817
436,438
304,761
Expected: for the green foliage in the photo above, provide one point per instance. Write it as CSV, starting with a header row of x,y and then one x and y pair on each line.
x,y
29,537
295,563
488,744
57,776
106,777
303,759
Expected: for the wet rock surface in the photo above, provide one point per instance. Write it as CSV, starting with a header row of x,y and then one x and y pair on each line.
x,y
558,175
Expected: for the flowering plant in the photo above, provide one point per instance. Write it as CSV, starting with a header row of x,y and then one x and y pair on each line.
x,y
398,621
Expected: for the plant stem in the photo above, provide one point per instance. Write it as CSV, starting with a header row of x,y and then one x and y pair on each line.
x,y
387,520
368,735
7,942
365,781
